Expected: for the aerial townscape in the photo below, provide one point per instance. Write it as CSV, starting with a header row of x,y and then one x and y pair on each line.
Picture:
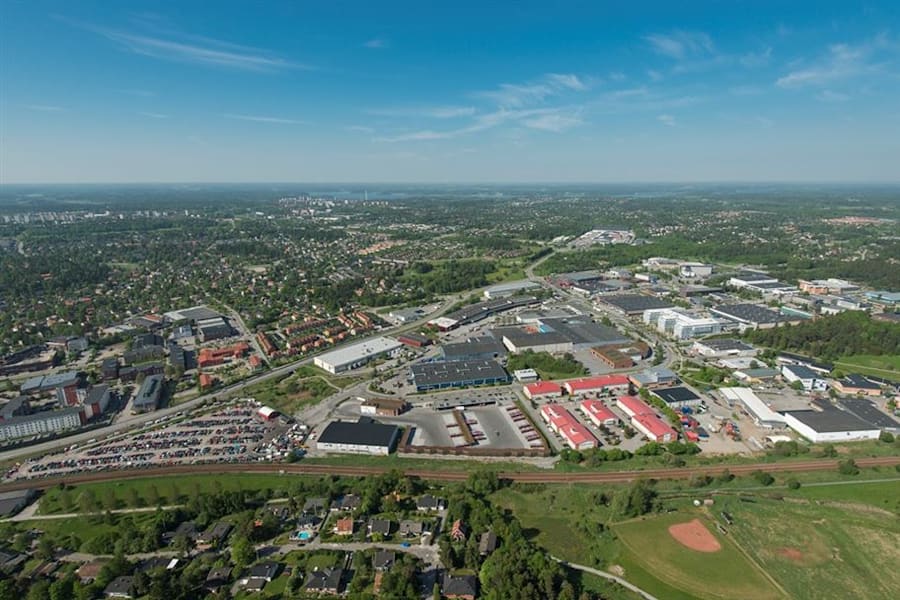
x,y
422,383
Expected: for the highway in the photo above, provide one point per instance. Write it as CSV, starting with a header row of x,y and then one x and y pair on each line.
x,y
583,477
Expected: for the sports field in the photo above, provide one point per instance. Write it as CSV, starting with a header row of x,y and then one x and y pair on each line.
x,y
823,552
719,574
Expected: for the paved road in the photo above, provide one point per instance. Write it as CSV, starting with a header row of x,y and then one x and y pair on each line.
x,y
609,576
429,554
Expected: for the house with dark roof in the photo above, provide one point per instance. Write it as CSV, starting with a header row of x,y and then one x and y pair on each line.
x,y
383,560
346,503
325,581
314,506
857,384
214,535
120,587
217,578
409,528
460,587
488,543
268,570
430,503
381,527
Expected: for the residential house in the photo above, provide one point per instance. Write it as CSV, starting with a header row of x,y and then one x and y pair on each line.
x,y
325,581
430,503
410,528
344,526
381,527
348,502
458,531
460,587
120,587
488,543
265,570
217,579
383,560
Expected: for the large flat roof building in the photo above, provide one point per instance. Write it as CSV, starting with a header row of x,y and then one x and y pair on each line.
x,y
357,355
485,347
762,413
149,394
681,325
830,425
458,373
508,289
48,421
752,316
634,304
365,436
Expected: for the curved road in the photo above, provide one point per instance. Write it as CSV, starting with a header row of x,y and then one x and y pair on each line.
x,y
609,576
438,475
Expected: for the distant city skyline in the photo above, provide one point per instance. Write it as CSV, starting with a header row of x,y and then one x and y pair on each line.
x,y
465,92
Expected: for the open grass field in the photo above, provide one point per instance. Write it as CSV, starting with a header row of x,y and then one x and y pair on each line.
x,y
821,552
550,517
723,574
887,366
883,495
168,490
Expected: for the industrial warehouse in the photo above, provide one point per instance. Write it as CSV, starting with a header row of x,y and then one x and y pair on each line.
x,y
458,373
365,436
357,355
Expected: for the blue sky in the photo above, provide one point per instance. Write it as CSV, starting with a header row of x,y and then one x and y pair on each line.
x,y
442,92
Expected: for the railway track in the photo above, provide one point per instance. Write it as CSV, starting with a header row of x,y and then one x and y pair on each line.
x,y
436,475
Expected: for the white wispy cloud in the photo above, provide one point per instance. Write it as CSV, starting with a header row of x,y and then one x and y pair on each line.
x,y
680,44
555,122
153,115
136,92
546,119
841,62
756,59
832,96
667,120
197,50
263,119
376,43
44,107
428,112
514,95
359,129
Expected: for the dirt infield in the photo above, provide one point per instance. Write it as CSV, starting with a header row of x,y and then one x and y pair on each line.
x,y
695,536
792,554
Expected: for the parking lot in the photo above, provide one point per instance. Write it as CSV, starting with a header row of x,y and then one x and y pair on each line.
x,y
492,426
235,433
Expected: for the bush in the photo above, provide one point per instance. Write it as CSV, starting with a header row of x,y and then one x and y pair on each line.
x,y
793,484
848,467
763,478
887,437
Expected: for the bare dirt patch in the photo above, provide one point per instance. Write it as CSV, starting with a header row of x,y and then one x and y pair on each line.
x,y
792,554
695,536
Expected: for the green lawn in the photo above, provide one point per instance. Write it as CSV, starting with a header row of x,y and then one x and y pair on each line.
x,y
564,519
887,366
884,495
821,552
169,489
723,574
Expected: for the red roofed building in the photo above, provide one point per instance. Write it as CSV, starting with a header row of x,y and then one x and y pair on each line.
x,y
598,413
543,389
566,425
458,531
590,385
255,362
209,357
632,406
654,428
206,381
